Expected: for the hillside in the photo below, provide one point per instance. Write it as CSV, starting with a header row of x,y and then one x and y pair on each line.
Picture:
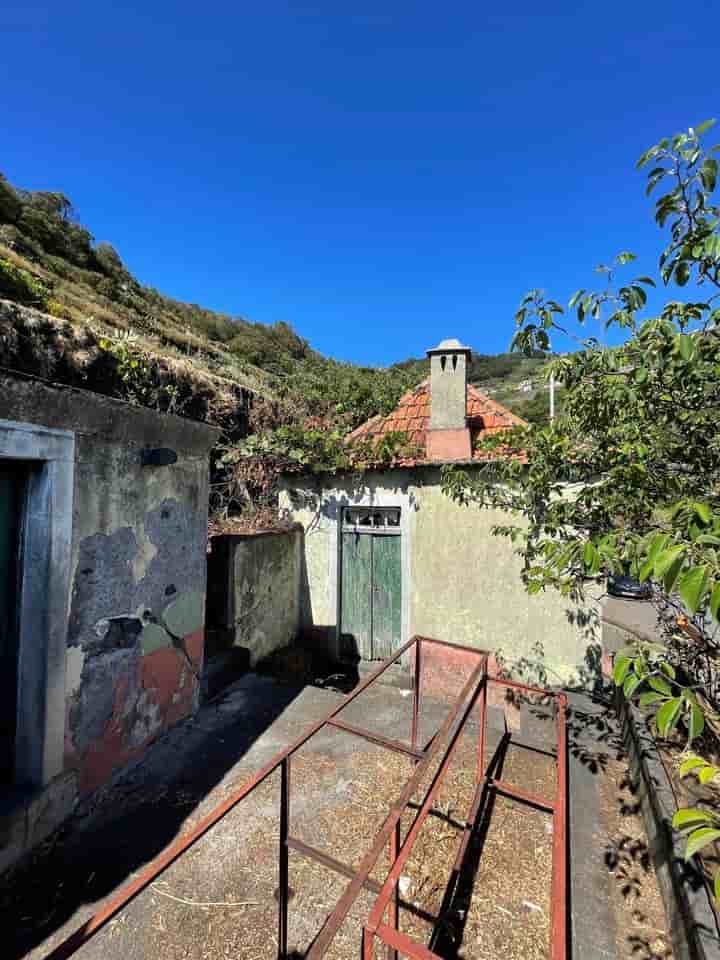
x,y
70,311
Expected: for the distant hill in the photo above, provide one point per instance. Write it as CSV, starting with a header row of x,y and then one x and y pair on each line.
x,y
512,379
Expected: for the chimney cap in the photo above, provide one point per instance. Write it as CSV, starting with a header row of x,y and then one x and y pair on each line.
x,y
451,345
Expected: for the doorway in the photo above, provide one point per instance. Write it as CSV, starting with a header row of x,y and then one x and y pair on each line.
x,y
13,486
371,582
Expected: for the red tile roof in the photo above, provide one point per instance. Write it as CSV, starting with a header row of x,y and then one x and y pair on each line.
x,y
412,417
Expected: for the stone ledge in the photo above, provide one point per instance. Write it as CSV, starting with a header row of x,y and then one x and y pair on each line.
x,y
691,917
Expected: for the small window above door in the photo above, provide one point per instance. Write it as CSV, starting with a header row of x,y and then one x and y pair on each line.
x,y
372,519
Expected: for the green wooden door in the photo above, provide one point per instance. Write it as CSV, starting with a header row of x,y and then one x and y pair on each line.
x,y
355,609
370,608
12,478
385,595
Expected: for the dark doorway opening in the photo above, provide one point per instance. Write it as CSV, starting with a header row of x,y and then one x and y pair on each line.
x,y
13,489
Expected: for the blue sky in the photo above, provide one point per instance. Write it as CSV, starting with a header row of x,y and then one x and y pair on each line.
x,y
378,174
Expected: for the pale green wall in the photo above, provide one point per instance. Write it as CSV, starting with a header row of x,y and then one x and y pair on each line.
x,y
460,583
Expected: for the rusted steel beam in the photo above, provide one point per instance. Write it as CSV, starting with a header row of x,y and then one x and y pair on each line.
x,y
284,859
336,918
533,749
531,799
312,853
395,905
560,851
453,646
183,843
402,942
393,876
378,738
416,694
514,685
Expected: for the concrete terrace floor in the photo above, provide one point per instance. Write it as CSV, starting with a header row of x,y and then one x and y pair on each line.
x,y
217,899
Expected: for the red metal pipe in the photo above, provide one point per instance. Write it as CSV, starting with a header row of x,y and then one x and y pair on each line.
x,y
559,876
395,745
393,876
532,799
336,918
416,695
403,943
395,905
183,843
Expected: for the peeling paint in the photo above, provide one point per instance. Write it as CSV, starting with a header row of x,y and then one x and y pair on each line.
x,y
184,614
74,660
154,637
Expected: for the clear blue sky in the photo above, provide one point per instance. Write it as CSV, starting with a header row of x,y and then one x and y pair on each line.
x,y
378,174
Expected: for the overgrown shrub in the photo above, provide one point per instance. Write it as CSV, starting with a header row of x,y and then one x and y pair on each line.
x,y
18,284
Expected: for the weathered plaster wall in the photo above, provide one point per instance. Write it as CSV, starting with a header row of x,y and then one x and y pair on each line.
x,y
254,589
460,583
138,569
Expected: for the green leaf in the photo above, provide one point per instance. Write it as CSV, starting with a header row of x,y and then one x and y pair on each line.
x,y
632,682
620,669
695,723
689,817
647,699
662,686
692,587
668,670
667,716
692,763
703,511
666,558
708,773
705,125
699,839
716,885
715,601
672,574
682,274
648,280
685,345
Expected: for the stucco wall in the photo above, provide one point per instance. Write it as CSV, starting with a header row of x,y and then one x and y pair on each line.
x,y
136,586
254,589
460,583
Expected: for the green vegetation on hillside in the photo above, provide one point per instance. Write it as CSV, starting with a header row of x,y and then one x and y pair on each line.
x,y
280,403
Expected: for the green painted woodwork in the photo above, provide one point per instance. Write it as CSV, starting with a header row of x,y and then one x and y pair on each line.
x,y
12,479
385,595
356,613
370,615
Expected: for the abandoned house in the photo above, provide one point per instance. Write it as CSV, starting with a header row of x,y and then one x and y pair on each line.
x,y
103,532
387,555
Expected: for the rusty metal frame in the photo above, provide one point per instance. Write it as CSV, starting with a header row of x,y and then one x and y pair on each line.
x,y
472,695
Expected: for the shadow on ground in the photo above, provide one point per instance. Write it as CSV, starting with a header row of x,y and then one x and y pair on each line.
x,y
130,821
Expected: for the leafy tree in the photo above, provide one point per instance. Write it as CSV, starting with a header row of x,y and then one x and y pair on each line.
x,y
627,479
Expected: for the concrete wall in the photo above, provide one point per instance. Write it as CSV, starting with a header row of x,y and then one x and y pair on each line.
x,y
133,615
254,589
460,583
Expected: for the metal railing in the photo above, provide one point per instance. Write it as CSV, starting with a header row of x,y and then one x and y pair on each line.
x,y
474,693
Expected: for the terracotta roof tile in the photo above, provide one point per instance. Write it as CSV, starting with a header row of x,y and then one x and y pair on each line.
x,y
412,416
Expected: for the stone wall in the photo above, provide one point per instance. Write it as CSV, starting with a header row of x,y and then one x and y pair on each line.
x,y
134,616
460,583
254,589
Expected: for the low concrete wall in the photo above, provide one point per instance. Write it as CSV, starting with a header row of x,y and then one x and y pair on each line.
x,y
254,589
460,583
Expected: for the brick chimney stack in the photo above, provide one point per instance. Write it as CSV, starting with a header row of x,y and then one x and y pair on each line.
x,y
449,436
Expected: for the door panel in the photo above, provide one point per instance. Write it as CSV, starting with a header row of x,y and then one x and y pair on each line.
x,y
12,480
356,611
386,595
